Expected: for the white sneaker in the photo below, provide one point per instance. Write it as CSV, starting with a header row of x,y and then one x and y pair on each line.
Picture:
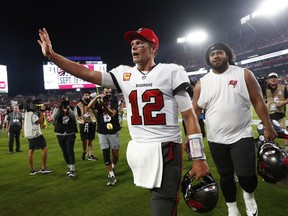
x,y
233,209
236,178
111,180
250,203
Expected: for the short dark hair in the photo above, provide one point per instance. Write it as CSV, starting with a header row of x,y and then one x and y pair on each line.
x,y
221,46
86,92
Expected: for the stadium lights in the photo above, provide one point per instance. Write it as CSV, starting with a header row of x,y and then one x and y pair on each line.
x,y
268,8
195,37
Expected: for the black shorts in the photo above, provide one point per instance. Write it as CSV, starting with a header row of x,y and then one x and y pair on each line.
x,y
87,134
37,143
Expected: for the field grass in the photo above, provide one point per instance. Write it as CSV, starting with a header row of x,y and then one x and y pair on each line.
x,y
55,194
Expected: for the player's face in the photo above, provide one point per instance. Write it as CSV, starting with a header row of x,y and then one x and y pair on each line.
x,y
141,51
218,60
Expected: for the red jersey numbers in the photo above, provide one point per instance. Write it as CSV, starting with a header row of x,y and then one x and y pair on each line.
x,y
154,102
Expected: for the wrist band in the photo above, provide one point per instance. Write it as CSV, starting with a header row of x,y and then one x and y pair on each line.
x,y
196,147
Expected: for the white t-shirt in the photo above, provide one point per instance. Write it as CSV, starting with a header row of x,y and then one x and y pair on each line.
x,y
228,107
32,128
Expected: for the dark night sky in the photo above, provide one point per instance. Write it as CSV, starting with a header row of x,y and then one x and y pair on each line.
x,y
96,28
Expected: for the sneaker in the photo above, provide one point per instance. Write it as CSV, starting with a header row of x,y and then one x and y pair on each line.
x,y
113,172
72,174
33,172
10,153
250,204
68,172
233,209
233,212
45,171
111,181
92,158
236,178
84,155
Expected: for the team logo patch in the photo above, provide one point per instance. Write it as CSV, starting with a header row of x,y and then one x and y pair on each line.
x,y
126,76
233,83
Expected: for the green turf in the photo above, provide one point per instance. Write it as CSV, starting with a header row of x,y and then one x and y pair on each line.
x,y
55,194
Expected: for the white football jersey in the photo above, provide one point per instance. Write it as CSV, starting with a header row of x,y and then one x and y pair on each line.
x,y
150,97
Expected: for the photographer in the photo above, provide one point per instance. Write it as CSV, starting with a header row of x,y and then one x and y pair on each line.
x,y
32,131
276,100
108,130
65,126
87,126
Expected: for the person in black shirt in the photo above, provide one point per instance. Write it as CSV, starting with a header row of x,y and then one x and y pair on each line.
x,y
108,129
65,127
14,128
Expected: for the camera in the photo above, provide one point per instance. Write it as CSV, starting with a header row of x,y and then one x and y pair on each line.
x,y
263,84
106,98
262,81
64,102
31,105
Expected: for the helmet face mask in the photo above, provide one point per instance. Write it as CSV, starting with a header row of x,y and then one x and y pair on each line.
x,y
272,163
201,196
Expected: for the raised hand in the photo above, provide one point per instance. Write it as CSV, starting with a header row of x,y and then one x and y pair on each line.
x,y
45,43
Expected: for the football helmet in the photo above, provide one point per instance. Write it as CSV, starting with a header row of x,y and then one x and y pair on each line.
x,y
282,132
272,163
200,195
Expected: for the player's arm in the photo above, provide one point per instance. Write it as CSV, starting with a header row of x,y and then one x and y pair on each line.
x,y
67,65
194,135
196,94
258,103
93,102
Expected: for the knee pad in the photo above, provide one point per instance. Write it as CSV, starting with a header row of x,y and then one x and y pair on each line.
x,y
106,156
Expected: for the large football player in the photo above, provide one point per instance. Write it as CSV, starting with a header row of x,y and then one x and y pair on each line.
x,y
154,94
227,94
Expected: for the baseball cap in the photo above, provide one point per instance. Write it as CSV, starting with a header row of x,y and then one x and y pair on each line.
x,y
273,75
146,33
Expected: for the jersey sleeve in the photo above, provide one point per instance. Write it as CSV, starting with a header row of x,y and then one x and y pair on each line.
x,y
180,79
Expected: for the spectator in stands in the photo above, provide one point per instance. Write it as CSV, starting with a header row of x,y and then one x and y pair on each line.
x,y
277,99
